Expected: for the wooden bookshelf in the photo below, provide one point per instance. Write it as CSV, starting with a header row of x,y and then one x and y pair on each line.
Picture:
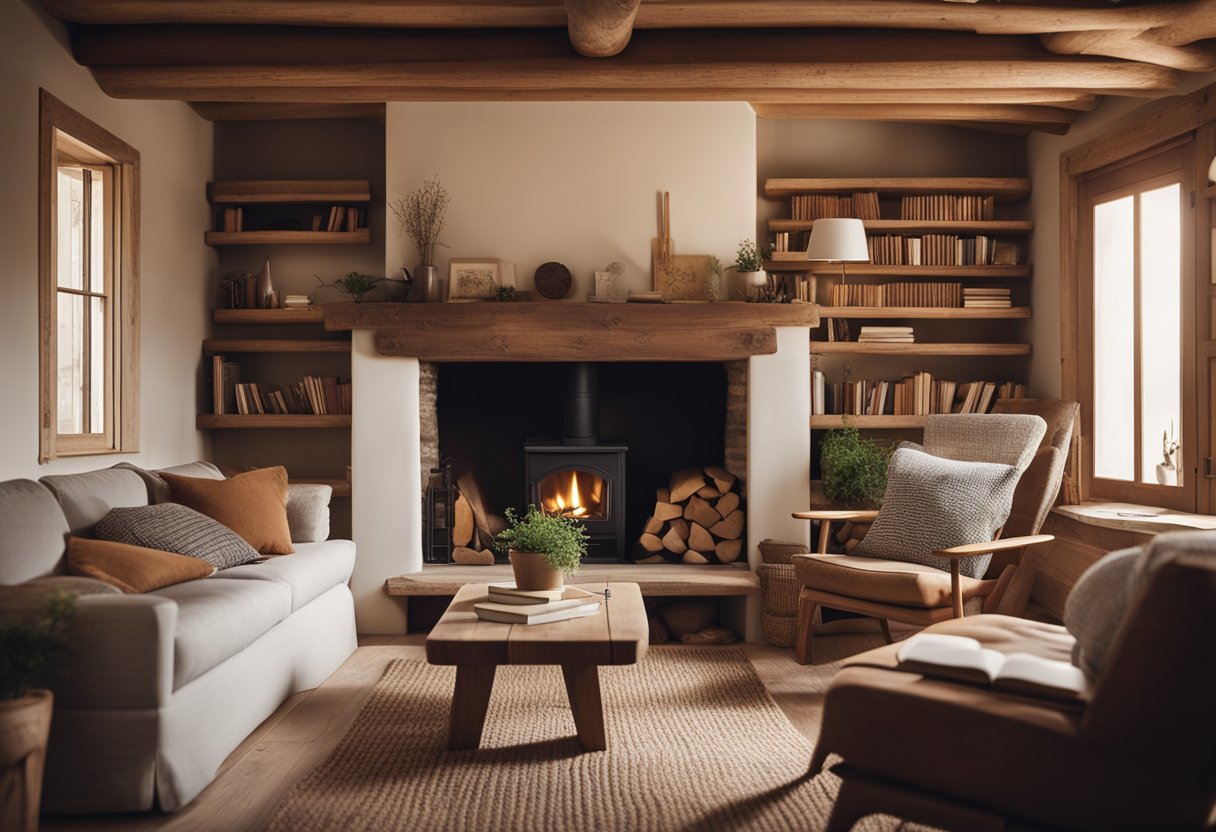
x,y
1004,189
795,261
359,237
311,315
275,345
210,421
856,348
1008,228
886,422
288,191
924,312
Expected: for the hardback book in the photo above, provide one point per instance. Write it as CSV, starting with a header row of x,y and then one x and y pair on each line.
x,y
535,613
505,592
962,659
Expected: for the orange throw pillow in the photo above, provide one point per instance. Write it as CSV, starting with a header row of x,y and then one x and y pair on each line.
x,y
252,504
132,568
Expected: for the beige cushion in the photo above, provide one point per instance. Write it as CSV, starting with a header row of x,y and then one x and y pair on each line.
x,y
308,511
32,531
309,573
88,497
886,581
253,504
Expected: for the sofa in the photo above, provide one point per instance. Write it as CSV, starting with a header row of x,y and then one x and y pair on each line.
x,y
162,686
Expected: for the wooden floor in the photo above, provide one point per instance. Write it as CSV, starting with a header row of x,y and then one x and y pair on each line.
x,y
301,733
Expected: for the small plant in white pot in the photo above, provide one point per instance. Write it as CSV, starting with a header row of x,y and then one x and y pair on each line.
x,y
749,264
544,548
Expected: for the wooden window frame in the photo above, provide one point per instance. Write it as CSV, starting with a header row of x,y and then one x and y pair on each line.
x,y
66,135
1194,117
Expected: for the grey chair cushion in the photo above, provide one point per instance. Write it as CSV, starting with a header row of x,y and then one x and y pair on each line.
x,y
934,503
175,528
1005,438
158,489
308,511
32,532
88,497
313,570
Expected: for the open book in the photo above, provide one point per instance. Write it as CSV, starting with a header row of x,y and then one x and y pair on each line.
x,y
965,660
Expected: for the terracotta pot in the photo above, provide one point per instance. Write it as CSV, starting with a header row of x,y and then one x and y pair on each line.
x,y
25,725
532,571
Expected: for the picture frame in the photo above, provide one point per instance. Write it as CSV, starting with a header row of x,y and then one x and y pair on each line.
x,y
473,278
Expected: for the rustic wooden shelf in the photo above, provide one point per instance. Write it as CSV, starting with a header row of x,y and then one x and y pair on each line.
x,y
855,348
884,422
1004,189
211,421
923,312
998,227
652,578
359,237
311,315
288,191
341,487
222,345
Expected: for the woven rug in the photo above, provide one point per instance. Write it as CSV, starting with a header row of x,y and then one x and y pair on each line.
x,y
694,742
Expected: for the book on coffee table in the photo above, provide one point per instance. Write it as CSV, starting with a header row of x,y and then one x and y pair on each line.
x,y
957,658
505,592
535,613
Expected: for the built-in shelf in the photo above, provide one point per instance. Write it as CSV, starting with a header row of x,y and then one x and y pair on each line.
x,y
856,348
341,487
211,421
885,422
359,237
224,345
998,227
1004,189
311,315
795,261
924,312
288,191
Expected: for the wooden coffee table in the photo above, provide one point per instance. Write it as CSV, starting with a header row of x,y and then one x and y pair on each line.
x,y
617,634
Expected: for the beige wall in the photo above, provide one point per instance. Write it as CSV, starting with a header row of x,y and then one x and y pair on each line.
x,y
176,268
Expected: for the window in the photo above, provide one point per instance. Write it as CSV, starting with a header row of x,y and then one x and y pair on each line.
x,y
88,344
1136,321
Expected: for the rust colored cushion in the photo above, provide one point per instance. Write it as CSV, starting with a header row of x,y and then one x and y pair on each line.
x,y
132,568
253,504
886,581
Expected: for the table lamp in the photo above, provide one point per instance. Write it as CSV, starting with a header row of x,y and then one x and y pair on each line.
x,y
838,240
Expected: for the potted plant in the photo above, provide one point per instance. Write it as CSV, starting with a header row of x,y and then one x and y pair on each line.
x,y
29,648
355,285
544,548
749,264
854,467
422,214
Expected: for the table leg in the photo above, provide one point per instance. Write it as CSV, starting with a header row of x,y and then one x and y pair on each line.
x,y
583,689
469,703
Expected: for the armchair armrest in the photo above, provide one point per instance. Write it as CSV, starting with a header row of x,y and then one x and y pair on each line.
x,y
1004,545
827,516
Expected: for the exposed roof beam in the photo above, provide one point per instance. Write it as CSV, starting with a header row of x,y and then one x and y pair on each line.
x,y
600,28
1047,119
271,111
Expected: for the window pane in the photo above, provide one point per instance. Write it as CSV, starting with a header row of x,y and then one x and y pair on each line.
x,y
71,364
97,234
1114,341
97,362
1160,327
71,228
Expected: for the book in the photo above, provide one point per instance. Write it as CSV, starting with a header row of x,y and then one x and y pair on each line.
x,y
505,592
535,613
961,659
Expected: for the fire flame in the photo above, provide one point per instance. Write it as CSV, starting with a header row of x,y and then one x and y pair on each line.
x,y
570,502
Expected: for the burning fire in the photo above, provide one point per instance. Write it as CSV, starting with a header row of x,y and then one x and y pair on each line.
x,y
568,502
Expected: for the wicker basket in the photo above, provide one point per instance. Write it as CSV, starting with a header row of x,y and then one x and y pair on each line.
x,y
779,630
779,590
780,551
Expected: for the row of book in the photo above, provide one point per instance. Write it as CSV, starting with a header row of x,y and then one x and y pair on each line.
x,y
886,335
986,297
861,206
941,250
948,207
230,219
341,218
950,295
239,290
788,240
312,395
916,394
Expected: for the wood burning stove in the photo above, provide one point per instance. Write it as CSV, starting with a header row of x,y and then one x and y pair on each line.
x,y
578,475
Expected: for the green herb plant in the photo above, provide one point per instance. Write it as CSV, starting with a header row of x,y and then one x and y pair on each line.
x,y
506,294
354,284
29,648
562,540
750,257
854,467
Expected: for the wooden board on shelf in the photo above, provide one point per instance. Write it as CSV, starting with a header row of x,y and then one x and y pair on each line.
x,y
211,421
223,345
795,261
358,237
311,315
284,191
857,348
1004,189
1000,227
924,312
884,422
652,578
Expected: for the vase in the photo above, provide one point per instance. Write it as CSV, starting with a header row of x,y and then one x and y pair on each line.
x,y
25,725
1167,474
751,283
532,571
425,288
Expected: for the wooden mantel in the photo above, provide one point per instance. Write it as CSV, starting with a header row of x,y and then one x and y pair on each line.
x,y
572,331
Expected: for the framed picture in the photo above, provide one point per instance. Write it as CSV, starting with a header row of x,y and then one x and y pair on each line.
x,y
474,278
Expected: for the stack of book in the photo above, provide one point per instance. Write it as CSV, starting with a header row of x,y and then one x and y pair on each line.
x,y
296,302
885,335
507,604
986,297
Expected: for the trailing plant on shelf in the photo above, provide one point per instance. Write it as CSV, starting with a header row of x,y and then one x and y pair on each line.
x,y
355,285
422,214
562,541
854,467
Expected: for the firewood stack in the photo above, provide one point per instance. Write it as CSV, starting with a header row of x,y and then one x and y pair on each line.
x,y
473,528
697,519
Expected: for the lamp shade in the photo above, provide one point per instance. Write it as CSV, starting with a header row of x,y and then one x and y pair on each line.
x,y
838,241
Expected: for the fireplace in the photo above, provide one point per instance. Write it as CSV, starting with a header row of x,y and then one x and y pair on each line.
x,y
579,476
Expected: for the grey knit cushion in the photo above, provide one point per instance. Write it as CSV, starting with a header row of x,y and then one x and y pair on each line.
x,y
175,528
1007,438
934,503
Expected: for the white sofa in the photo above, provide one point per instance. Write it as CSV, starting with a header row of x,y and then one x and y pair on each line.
x,y
162,686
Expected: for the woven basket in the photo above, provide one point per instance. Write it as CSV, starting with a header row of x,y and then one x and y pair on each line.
x,y
779,589
779,630
781,551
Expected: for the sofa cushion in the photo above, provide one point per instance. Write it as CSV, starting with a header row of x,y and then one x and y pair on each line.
x,y
314,569
308,511
218,618
86,498
934,503
32,532
252,504
170,527
886,581
158,489
132,568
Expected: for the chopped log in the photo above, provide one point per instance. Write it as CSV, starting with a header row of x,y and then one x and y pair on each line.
x,y
728,503
468,488
652,559
462,524
723,480
653,525
663,495
666,511
496,523
651,543
693,556
728,550
685,483
468,557
709,493
731,527
672,542
701,512
680,525
691,617
700,539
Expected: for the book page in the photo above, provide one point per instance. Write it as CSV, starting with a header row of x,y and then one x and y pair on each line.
x,y
951,652
1049,673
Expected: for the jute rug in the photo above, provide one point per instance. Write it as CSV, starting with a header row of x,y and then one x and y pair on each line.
x,y
695,742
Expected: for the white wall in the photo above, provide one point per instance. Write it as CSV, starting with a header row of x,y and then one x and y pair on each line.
x,y
175,271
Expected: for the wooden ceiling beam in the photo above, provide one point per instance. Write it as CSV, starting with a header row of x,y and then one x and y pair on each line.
x,y
600,28
275,111
1047,119
1133,47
